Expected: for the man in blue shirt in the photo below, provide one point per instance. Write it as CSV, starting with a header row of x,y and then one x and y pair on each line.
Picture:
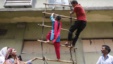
x,y
105,58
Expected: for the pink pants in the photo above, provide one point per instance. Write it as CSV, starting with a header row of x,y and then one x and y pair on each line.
x,y
57,49
56,45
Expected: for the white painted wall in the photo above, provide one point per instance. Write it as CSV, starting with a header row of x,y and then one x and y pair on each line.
x,y
2,3
84,3
39,3
36,3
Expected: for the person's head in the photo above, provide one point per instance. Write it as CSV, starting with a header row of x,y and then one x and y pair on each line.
x,y
14,52
105,49
6,51
74,3
58,18
10,50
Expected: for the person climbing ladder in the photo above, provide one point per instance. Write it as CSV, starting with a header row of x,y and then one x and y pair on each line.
x,y
78,25
54,34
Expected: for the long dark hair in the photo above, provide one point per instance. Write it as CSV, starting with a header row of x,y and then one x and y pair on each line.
x,y
58,18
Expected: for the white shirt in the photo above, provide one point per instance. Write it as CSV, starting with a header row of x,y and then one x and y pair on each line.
x,y
3,52
107,60
2,58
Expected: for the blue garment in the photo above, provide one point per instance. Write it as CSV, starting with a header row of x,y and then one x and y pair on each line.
x,y
52,30
58,39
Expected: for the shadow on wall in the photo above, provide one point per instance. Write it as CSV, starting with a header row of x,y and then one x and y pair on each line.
x,y
3,31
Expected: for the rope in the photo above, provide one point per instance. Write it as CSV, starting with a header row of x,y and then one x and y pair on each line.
x,y
71,55
44,59
45,62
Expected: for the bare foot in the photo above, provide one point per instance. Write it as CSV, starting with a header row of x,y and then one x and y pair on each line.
x,y
66,44
48,41
58,60
70,46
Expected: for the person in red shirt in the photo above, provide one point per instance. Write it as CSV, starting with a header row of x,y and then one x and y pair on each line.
x,y
78,25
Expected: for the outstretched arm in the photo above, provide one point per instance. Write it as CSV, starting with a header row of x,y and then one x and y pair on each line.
x,y
52,17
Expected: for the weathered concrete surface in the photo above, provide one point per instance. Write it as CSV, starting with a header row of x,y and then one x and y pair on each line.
x,y
37,16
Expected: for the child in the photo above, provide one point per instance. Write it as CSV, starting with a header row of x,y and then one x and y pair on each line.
x,y
54,34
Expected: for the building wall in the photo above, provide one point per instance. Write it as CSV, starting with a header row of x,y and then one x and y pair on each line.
x,y
36,3
2,3
90,3
17,32
92,30
33,31
13,37
37,16
100,25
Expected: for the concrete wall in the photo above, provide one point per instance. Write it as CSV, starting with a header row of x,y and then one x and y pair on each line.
x,y
33,31
17,32
92,30
98,30
13,38
37,16
2,3
36,3
90,3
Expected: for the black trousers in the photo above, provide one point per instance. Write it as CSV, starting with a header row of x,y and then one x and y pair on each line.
x,y
79,25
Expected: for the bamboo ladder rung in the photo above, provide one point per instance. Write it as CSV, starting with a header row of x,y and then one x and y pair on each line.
x,y
55,60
